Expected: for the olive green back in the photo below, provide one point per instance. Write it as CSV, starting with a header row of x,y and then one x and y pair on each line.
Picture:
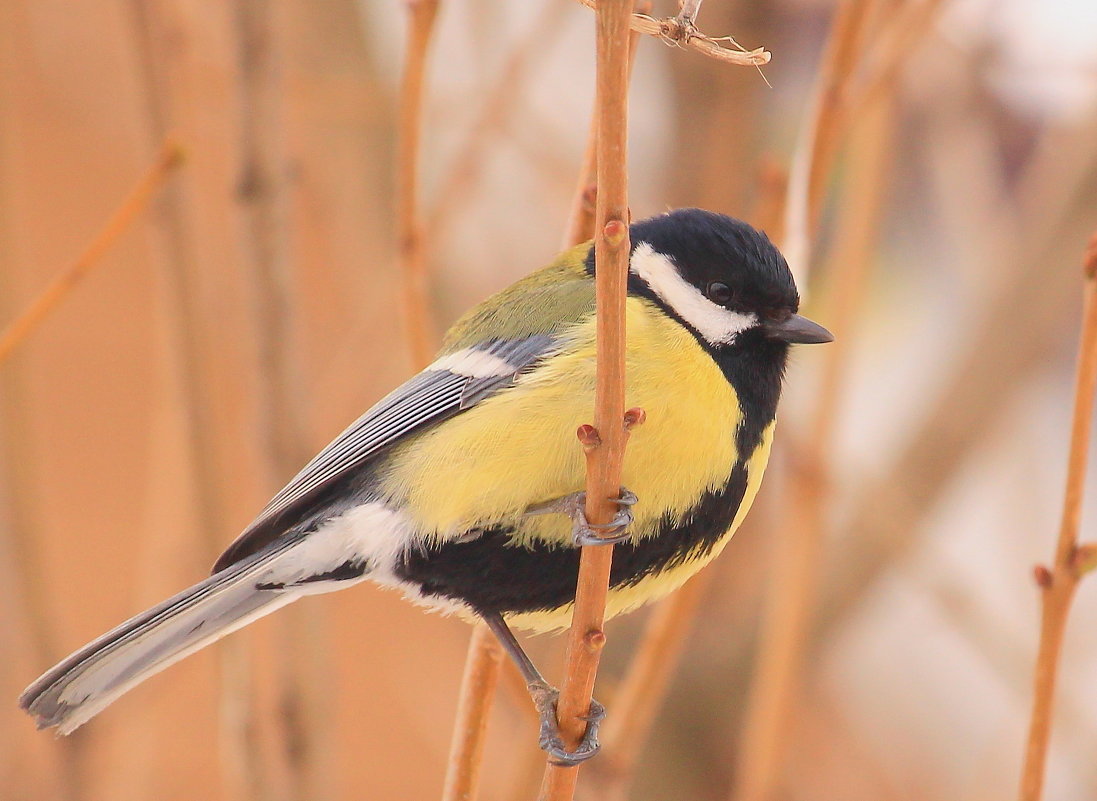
x,y
541,303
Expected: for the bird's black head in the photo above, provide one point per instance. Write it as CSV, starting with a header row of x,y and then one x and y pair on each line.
x,y
730,286
720,277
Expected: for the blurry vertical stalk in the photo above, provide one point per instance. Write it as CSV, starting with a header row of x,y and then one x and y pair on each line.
x,y
820,134
170,245
1058,583
605,444
466,754
27,594
262,194
640,693
1056,195
799,540
421,17
716,144
484,657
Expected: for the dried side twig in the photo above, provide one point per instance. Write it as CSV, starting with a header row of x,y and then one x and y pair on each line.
x,y
421,17
1058,583
679,30
136,201
605,443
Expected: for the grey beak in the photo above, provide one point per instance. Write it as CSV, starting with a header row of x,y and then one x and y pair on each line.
x,y
799,330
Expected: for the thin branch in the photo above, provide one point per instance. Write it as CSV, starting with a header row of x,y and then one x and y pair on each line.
x,y
136,201
801,534
673,31
580,227
1058,583
421,17
605,443
466,752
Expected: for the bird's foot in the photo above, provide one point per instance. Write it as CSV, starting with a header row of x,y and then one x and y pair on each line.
x,y
584,532
545,698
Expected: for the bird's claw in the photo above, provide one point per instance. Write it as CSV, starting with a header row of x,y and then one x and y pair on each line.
x,y
616,530
584,532
545,698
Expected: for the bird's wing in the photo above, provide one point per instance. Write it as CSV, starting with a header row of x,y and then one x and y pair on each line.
x,y
453,383
483,352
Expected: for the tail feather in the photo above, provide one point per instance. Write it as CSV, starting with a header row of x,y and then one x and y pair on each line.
x,y
83,684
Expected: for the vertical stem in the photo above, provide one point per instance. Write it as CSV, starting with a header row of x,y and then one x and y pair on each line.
x,y
1059,583
262,193
241,760
580,226
421,17
819,136
484,658
466,753
586,638
800,544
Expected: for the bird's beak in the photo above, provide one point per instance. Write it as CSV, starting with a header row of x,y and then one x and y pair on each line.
x,y
799,330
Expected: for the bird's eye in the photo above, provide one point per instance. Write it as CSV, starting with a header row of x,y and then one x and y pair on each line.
x,y
719,293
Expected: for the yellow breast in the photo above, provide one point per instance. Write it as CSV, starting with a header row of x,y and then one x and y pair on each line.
x,y
487,465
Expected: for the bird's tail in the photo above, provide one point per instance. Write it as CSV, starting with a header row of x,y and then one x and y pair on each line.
x,y
82,685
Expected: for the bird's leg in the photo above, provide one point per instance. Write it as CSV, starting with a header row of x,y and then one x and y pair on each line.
x,y
584,532
545,697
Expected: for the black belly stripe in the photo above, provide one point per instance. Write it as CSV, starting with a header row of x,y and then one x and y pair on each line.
x,y
492,576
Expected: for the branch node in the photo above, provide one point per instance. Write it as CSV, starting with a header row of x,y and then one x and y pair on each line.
x,y
635,417
594,640
589,436
1089,260
1043,576
589,197
614,233
1084,558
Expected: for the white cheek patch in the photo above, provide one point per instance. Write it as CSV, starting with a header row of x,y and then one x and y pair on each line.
x,y
719,326
474,363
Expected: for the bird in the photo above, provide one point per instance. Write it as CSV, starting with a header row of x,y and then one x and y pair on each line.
x,y
463,488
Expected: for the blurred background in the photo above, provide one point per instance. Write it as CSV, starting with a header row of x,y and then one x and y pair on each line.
x,y
254,309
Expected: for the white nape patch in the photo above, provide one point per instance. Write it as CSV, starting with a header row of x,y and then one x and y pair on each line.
x,y
474,363
719,326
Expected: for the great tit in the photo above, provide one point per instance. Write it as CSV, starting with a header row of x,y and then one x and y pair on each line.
x,y
446,488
